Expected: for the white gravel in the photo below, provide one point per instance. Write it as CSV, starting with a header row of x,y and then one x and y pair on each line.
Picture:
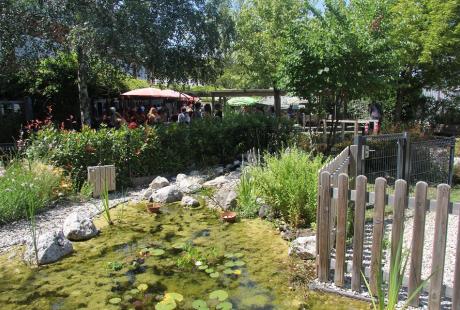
x,y
52,219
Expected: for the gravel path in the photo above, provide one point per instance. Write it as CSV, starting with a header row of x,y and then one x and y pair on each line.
x,y
449,266
52,219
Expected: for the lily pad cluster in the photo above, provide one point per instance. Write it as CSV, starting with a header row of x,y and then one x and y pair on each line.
x,y
149,251
169,301
234,264
219,296
115,266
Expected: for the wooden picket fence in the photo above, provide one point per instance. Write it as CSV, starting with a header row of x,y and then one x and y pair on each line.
x,y
333,200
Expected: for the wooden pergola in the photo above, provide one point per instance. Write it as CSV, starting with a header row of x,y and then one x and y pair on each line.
x,y
222,95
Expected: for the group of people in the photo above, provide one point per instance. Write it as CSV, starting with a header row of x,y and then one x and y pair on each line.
x,y
137,116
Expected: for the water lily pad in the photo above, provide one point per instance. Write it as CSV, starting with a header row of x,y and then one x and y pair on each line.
x,y
203,267
134,291
157,252
228,271
169,304
200,304
115,300
238,255
239,263
220,295
209,270
178,246
229,255
173,296
229,264
128,297
237,272
214,275
224,306
142,287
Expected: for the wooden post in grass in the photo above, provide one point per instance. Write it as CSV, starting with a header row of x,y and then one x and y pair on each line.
x,y
377,233
342,204
418,235
323,229
358,235
439,246
99,177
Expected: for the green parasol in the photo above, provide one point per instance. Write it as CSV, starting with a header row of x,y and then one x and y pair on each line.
x,y
242,101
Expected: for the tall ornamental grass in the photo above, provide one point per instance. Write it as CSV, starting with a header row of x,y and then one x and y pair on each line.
x,y
288,182
29,186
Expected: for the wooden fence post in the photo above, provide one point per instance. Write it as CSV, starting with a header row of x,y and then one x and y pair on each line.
x,y
439,246
356,129
377,233
352,168
323,230
456,298
342,204
358,235
397,228
418,235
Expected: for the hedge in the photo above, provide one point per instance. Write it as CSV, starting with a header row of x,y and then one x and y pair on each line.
x,y
146,151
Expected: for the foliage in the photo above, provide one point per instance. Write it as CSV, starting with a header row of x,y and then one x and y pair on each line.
x,y
261,26
105,201
288,183
154,150
397,271
10,126
247,195
27,188
168,40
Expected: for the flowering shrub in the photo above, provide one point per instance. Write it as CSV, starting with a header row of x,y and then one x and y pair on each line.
x,y
145,151
26,183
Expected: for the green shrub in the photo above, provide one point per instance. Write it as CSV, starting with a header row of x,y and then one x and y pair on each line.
x,y
247,195
154,150
288,182
28,184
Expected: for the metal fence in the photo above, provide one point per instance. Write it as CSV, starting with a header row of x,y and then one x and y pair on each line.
x,y
394,157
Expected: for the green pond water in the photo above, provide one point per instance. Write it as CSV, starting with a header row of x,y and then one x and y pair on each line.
x,y
179,259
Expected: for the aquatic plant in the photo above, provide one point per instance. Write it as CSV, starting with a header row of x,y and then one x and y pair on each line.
x,y
199,304
214,275
169,301
157,252
115,266
246,199
115,300
142,287
224,306
220,295
106,204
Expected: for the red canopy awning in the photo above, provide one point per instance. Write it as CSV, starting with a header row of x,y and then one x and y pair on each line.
x,y
159,93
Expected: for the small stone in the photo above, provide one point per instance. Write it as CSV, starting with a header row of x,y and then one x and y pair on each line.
x,y
236,163
159,182
189,201
264,211
304,247
148,192
180,177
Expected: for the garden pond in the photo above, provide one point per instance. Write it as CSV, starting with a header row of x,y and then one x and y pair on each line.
x,y
178,259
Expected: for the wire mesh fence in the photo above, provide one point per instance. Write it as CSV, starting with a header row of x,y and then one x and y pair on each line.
x,y
395,157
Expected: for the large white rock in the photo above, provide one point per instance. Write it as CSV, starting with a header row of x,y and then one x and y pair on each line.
x,y
147,193
167,194
78,227
190,184
189,201
304,247
159,182
51,246
223,179
226,196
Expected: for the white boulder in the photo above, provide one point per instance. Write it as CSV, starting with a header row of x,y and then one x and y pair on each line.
x,y
159,182
167,194
188,201
78,227
51,247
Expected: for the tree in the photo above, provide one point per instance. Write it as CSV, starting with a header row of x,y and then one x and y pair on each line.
x,y
172,40
261,28
426,36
